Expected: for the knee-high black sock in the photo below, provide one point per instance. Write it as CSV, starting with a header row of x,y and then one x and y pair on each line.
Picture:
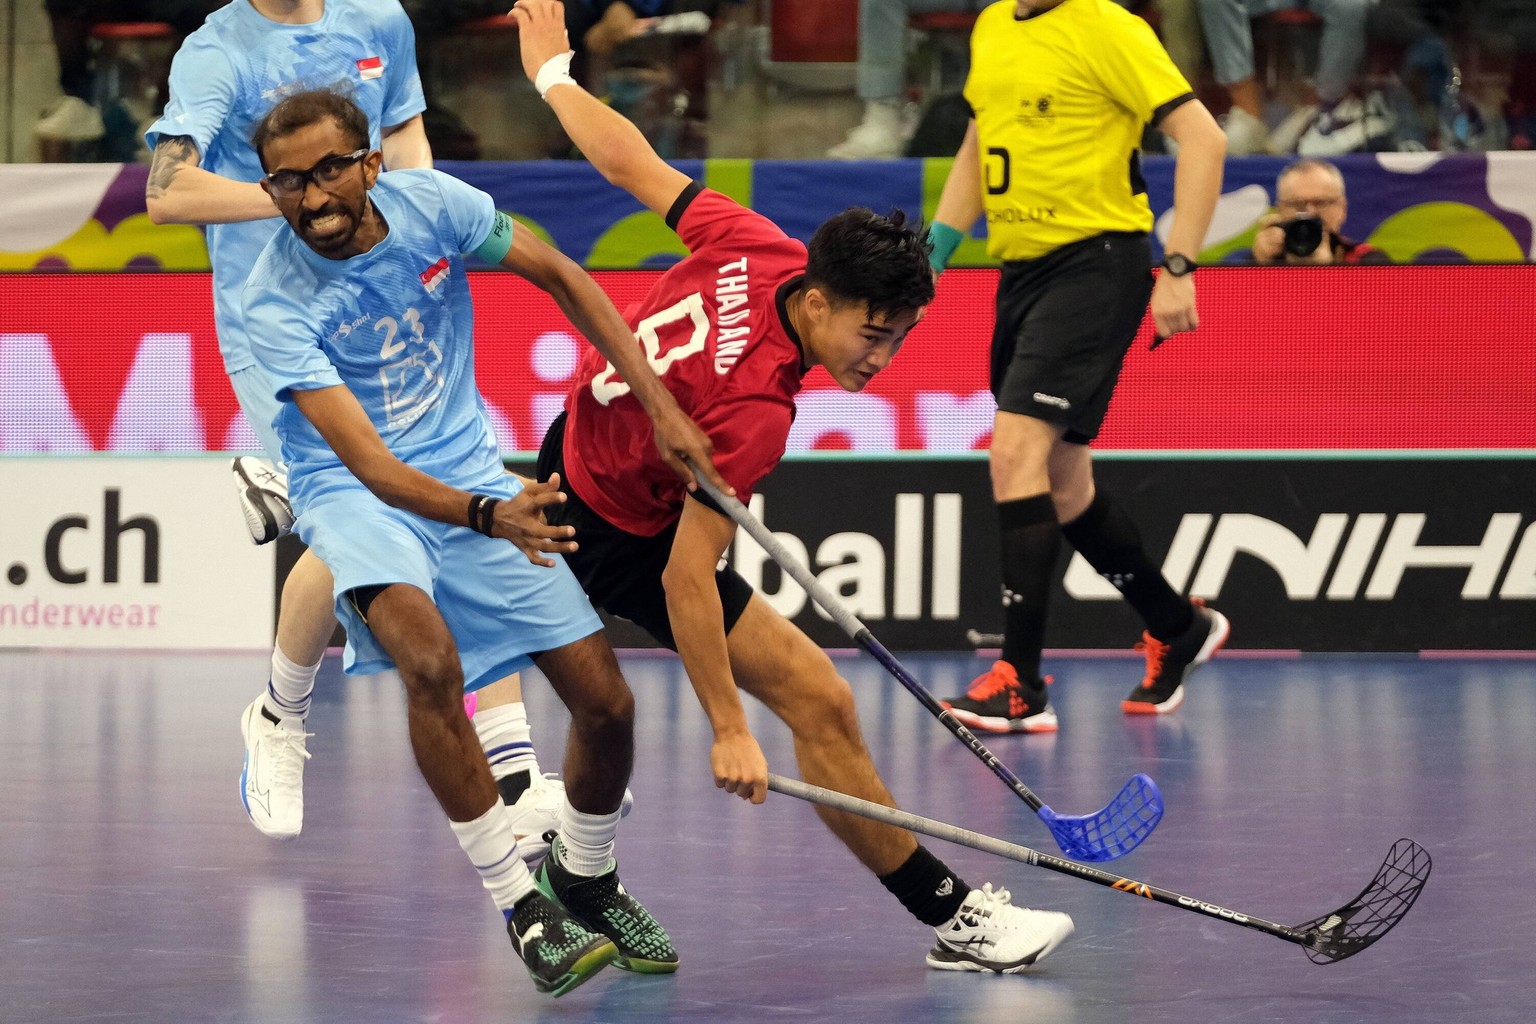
x,y
1031,542
1107,538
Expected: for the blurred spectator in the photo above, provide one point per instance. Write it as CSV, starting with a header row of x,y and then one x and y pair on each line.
x,y
1438,110
1308,222
882,67
1178,26
78,117
599,27
1177,23
649,60
882,75
1506,32
433,22
1339,123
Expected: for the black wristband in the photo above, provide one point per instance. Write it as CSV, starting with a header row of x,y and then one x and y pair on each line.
x,y
482,513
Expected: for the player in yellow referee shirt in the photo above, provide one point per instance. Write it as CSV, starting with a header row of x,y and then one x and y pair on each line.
x,y
1060,92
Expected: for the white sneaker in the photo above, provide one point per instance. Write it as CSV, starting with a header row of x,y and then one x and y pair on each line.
x,y
1246,134
272,781
263,498
877,137
537,813
1353,125
71,120
989,933
685,23
1288,133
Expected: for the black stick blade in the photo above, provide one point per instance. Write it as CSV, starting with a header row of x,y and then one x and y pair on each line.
x,y
1375,911
1113,832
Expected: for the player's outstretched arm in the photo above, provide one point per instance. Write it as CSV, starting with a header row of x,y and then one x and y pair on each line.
x,y
605,137
678,438
340,419
181,192
693,608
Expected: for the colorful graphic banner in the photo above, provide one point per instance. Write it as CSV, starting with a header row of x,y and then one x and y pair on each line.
x,y
1418,207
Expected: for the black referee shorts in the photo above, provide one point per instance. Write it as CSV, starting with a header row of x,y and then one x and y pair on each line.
x,y
619,570
1064,324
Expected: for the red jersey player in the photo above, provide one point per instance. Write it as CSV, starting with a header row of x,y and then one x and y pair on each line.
x,y
731,330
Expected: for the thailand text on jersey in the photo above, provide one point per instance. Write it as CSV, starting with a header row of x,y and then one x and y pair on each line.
x,y
715,330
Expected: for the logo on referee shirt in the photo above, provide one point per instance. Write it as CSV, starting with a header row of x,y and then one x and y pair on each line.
x,y
370,67
435,275
1037,112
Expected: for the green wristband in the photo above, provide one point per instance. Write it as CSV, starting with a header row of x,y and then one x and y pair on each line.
x,y
944,239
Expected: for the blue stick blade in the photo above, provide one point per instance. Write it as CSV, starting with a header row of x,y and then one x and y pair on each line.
x,y
1113,832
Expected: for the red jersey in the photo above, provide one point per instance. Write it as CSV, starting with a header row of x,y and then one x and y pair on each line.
x,y
715,330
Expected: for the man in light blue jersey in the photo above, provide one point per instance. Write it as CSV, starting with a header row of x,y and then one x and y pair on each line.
x,y
226,76
361,319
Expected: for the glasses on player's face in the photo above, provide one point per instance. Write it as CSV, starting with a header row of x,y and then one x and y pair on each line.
x,y
325,174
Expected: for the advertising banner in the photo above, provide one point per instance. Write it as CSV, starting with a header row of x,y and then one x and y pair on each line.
x,y
143,553
1314,554
1285,358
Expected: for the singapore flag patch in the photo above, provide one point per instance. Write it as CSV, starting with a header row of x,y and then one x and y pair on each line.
x,y
370,67
435,275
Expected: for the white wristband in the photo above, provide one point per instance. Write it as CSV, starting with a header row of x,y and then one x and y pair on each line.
x,y
556,71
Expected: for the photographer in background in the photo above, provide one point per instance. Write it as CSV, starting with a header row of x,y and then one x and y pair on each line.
x,y
1309,214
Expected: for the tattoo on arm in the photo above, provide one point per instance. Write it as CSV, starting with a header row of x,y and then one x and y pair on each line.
x,y
172,153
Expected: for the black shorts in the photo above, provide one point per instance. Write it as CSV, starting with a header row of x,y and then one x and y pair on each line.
x,y
619,570
1064,324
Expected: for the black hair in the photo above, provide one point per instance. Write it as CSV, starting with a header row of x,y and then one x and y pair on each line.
x,y
859,256
303,109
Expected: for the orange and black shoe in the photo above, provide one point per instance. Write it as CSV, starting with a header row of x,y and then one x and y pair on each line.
x,y
1169,664
999,702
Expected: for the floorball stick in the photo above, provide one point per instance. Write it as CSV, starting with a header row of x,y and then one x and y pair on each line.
x,y
1332,937
1112,832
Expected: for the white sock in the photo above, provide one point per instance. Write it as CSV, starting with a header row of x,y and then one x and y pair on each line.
x,y
290,686
586,840
492,848
507,740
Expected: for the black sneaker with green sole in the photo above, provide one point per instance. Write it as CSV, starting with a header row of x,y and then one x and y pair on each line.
x,y
557,950
602,904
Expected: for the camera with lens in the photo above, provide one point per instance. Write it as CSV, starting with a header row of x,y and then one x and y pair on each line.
x,y
1303,234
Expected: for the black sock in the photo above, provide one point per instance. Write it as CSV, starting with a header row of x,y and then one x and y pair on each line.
x,y
927,888
1031,542
1107,538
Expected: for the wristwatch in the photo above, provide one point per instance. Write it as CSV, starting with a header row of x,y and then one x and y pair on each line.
x,y
1178,264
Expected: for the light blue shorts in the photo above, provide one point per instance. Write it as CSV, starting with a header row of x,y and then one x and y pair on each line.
x,y
500,607
254,393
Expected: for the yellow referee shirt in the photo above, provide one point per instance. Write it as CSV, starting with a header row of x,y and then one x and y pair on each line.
x,y
1060,101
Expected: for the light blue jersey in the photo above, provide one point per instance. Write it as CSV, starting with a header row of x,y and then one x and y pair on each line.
x,y
234,69
394,324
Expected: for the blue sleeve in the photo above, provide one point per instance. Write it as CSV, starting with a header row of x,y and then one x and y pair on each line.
x,y
404,98
203,86
284,336
471,213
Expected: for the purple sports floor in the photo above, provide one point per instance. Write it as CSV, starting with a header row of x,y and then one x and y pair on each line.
x,y
132,888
